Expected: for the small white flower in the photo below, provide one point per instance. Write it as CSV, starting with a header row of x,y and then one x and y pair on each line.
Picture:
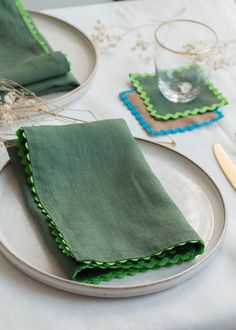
x,y
31,101
12,96
7,99
7,107
7,118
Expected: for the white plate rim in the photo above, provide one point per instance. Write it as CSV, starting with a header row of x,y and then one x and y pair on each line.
x,y
123,290
66,98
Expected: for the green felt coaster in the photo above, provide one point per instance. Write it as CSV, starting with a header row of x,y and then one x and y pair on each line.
x,y
159,107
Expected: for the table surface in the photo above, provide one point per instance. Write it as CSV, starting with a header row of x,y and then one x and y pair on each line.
x,y
207,301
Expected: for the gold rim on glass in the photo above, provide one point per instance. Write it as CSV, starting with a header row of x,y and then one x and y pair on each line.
x,y
200,52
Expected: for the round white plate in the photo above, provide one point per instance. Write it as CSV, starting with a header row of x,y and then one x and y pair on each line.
x,y
190,187
76,45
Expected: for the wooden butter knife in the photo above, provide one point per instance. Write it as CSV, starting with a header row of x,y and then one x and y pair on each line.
x,y
226,164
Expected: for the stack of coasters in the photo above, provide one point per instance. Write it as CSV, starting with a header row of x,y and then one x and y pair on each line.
x,y
159,116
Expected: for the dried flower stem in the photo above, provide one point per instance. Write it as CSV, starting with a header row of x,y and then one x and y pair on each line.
x,y
20,104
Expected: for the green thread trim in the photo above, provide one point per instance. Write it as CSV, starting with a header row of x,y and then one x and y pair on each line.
x,y
147,101
31,27
120,268
122,272
182,68
22,144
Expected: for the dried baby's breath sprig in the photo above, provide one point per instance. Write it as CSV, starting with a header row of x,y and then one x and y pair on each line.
x,y
224,56
18,105
142,48
107,37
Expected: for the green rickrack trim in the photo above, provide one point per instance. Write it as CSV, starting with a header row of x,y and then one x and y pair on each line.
x,y
147,101
31,27
22,144
123,271
120,268
197,67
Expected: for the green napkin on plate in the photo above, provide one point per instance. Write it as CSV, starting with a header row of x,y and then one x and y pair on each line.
x,y
101,209
26,57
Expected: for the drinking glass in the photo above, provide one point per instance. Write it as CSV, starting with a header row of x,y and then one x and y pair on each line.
x,y
184,57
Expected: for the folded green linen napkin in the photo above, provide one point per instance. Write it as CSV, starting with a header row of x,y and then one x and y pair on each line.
x,y
26,57
160,108
108,214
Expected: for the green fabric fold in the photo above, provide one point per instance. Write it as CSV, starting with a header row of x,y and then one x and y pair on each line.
x,y
100,206
26,57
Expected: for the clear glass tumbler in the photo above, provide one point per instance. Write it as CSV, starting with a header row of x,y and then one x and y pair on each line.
x,y
184,57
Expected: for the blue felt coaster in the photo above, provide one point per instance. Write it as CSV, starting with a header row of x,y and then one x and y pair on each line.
x,y
135,104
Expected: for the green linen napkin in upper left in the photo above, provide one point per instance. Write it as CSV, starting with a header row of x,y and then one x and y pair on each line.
x,y
26,57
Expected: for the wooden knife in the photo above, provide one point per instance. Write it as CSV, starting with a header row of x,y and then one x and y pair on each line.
x,y
226,164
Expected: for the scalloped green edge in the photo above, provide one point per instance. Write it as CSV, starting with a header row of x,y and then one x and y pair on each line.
x,y
120,268
222,99
31,27
33,30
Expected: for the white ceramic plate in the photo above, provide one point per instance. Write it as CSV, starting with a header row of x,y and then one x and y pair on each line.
x,y
190,187
76,45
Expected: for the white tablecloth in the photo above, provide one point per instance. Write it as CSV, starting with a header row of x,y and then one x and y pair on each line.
x,y
208,300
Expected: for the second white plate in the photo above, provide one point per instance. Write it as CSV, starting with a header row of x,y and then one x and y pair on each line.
x,y
189,186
